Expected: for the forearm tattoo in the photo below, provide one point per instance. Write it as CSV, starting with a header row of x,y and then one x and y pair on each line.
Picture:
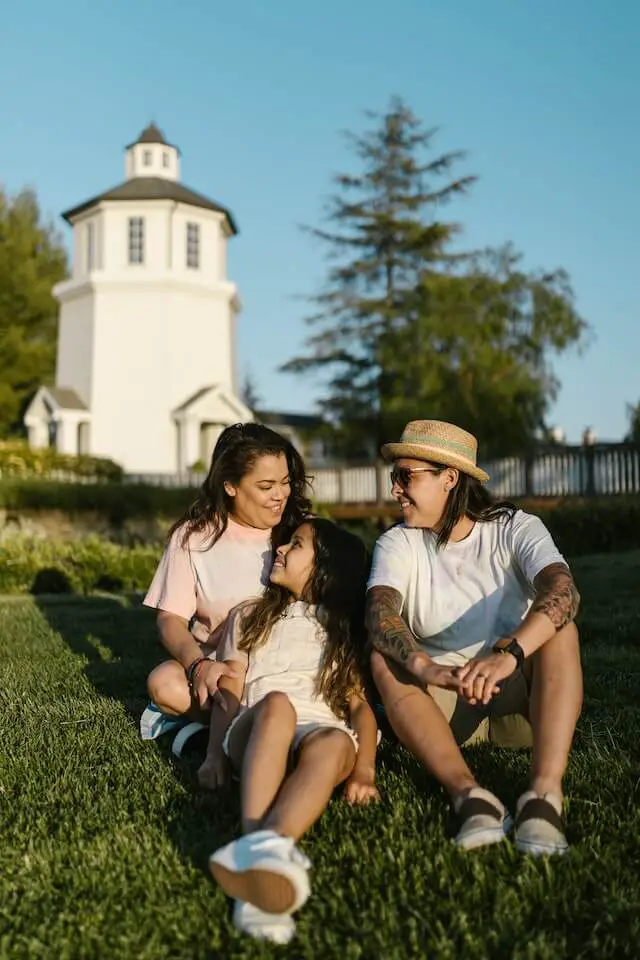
x,y
388,632
556,595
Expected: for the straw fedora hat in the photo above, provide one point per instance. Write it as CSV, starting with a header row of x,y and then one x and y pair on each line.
x,y
438,442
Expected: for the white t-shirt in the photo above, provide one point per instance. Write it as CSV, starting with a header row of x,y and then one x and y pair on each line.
x,y
460,599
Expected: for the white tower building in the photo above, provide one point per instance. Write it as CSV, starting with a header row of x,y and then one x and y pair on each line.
x,y
146,344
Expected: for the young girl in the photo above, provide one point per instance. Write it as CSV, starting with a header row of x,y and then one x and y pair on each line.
x,y
296,722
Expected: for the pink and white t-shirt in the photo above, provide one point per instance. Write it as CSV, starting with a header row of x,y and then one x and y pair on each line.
x,y
208,581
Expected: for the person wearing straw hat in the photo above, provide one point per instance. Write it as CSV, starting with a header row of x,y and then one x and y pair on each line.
x,y
470,611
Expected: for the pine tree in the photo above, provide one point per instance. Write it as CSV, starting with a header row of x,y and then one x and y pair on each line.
x,y
407,328
383,231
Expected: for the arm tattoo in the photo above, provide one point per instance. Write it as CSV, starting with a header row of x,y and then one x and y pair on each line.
x,y
388,633
556,595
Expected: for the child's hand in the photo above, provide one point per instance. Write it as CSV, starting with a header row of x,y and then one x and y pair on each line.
x,y
215,771
361,788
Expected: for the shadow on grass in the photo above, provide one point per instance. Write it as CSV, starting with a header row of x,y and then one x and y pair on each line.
x,y
116,635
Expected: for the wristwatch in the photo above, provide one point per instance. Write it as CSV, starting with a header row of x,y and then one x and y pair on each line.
x,y
510,645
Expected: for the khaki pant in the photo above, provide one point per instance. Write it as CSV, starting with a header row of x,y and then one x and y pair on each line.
x,y
504,721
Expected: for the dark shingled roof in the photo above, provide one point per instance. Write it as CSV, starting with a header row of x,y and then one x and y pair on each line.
x,y
303,421
152,134
153,188
66,398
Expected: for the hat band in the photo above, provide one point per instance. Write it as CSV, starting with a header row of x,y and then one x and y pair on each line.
x,y
430,441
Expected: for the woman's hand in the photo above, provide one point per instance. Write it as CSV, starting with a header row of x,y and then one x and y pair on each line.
x,y
361,788
215,771
480,677
205,678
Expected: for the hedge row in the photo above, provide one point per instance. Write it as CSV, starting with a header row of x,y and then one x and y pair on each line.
x,y
579,526
608,525
116,502
18,459
34,565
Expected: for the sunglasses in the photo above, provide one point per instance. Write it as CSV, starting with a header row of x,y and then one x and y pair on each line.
x,y
402,475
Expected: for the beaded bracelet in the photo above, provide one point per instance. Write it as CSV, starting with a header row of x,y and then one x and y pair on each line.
x,y
191,669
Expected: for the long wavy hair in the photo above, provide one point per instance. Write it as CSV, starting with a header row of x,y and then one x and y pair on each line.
x,y
235,453
469,498
337,585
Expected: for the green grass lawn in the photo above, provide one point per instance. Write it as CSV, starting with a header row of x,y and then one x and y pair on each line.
x,y
105,839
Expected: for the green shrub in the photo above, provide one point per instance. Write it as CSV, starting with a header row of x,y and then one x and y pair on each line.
x,y
31,565
606,525
578,526
18,459
117,502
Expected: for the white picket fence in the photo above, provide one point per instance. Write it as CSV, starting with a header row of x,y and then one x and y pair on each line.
x,y
600,470
566,471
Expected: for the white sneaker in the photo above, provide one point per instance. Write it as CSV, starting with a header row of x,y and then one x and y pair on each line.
x,y
153,722
276,927
263,869
539,826
483,819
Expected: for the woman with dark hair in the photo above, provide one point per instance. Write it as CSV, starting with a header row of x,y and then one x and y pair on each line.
x,y
219,554
470,611
296,723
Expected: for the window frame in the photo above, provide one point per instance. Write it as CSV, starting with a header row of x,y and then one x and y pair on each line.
x,y
193,246
136,241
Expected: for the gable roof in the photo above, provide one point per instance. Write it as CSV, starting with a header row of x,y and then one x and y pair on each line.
x,y
66,398
193,398
214,400
153,188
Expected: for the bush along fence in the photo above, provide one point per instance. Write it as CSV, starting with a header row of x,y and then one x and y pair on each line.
x,y
40,565
559,471
18,459
117,502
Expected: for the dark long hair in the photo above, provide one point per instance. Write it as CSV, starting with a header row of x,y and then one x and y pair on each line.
x,y
337,585
469,498
236,451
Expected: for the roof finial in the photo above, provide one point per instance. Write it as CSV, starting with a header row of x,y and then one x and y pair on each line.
x,y
152,134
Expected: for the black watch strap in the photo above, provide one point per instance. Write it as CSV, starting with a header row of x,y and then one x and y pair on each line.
x,y
512,647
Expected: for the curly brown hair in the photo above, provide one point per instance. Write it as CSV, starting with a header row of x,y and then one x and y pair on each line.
x,y
338,586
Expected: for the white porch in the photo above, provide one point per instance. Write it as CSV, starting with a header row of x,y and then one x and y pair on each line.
x,y
200,420
57,417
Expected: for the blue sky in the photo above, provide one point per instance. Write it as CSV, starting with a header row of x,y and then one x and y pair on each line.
x,y
544,96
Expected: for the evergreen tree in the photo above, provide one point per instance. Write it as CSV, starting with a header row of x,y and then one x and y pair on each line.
x,y
383,230
407,328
